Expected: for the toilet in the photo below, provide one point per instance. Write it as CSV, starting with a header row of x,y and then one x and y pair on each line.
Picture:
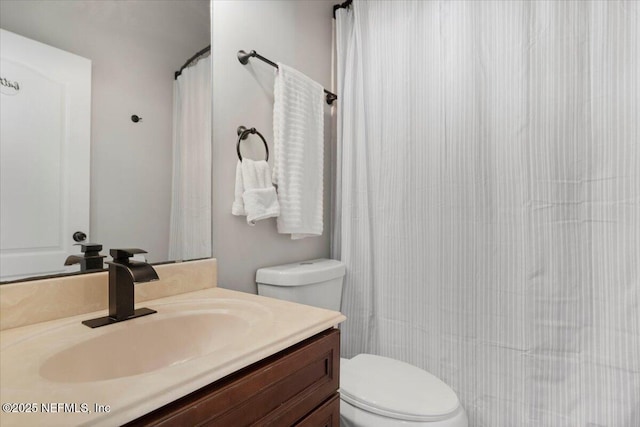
x,y
375,391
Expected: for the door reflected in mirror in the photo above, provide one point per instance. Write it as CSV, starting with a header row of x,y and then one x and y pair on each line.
x,y
73,160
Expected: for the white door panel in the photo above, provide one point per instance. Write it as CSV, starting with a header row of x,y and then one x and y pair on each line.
x,y
45,149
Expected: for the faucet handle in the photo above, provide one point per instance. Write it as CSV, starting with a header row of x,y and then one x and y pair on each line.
x,y
89,248
125,254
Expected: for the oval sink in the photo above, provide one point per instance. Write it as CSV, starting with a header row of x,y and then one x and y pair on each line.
x,y
143,347
178,333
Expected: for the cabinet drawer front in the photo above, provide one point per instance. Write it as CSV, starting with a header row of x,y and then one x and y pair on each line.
x,y
278,391
327,415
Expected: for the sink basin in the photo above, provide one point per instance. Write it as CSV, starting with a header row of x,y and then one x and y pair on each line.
x,y
179,332
144,347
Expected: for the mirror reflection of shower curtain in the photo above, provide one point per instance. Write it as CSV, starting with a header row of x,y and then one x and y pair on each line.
x,y
190,232
489,156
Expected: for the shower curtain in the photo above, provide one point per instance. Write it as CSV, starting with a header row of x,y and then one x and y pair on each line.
x,y
489,201
190,232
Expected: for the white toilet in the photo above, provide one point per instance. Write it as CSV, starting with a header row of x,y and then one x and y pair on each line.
x,y
375,391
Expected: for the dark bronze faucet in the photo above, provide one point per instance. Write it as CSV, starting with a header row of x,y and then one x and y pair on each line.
x,y
91,260
123,275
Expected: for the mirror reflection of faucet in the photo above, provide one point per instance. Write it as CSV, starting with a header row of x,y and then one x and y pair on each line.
x,y
124,273
91,260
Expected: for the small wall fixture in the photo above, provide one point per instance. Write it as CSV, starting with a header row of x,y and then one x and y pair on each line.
x,y
243,133
135,118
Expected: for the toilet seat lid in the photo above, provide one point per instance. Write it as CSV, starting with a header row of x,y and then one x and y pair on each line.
x,y
395,389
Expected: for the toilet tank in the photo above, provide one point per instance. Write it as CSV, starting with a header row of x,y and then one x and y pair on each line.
x,y
317,282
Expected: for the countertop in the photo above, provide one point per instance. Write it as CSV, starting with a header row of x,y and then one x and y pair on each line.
x,y
275,325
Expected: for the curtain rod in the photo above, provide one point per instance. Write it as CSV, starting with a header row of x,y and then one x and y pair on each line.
x,y
344,5
243,57
190,60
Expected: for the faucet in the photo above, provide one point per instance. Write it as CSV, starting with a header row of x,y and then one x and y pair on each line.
x,y
123,275
91,260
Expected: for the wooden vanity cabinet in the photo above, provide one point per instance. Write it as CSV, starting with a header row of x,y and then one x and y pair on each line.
x,y
295,387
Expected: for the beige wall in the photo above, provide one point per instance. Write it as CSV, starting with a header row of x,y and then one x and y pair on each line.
x,y
299,34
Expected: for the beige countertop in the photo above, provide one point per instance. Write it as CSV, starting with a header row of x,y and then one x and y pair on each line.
x,y
273,326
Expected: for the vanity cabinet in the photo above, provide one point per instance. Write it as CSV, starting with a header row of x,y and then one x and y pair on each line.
x,y
295,387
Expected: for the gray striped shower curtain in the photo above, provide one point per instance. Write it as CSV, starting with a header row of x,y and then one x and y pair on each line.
x,y
487,201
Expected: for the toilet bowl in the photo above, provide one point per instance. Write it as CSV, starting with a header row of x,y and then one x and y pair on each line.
x,y
375,391
383,392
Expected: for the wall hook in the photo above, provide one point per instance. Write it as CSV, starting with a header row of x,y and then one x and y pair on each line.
x,y
135,118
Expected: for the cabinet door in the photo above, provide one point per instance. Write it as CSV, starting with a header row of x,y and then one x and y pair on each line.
x,y
327,415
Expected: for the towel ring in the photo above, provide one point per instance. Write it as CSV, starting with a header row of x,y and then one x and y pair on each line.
x,y
243,133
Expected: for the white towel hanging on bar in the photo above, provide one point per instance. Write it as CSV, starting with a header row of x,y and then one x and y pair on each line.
x,y
298,130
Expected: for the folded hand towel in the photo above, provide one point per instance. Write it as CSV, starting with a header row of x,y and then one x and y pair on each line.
x,y
255,195
237,208
298,131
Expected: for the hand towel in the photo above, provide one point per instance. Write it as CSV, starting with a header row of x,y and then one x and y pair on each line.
x,y
255,195
298,132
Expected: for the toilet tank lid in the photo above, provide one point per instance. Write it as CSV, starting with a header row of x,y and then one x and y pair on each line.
x,y
301,273
395,389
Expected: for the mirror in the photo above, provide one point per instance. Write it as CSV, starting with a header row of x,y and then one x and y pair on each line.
x,y
134,48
